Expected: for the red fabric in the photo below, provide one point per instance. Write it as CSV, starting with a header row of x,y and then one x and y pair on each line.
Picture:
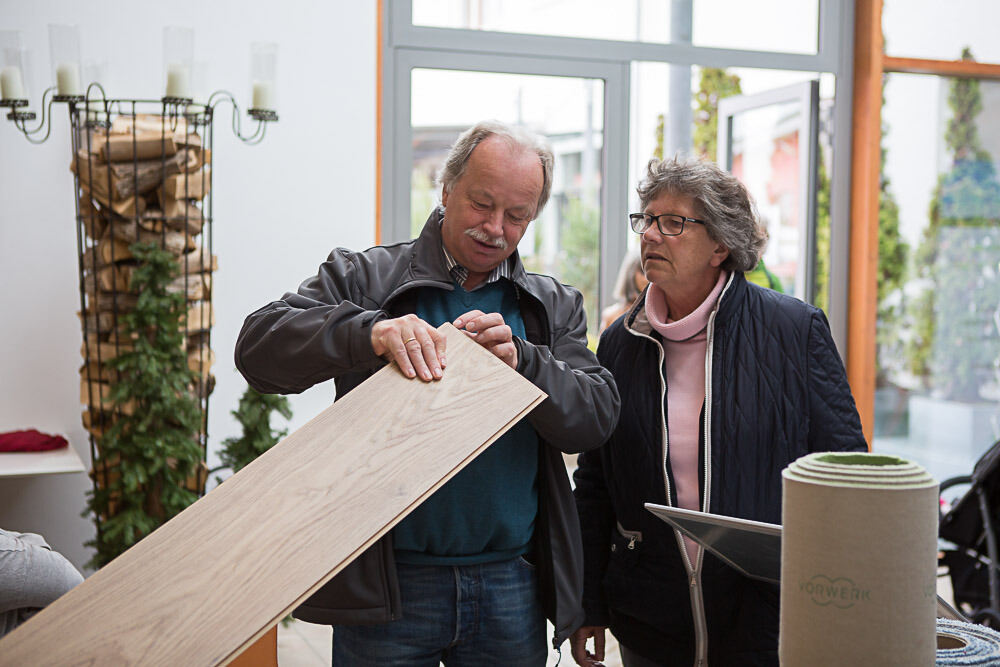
x,y
30,441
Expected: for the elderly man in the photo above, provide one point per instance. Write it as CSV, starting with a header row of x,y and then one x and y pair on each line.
x,y
469,577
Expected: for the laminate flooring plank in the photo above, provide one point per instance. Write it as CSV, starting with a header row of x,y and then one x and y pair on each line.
x,y
217,576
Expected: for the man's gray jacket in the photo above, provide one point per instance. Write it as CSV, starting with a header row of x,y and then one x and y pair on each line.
x,y
324,331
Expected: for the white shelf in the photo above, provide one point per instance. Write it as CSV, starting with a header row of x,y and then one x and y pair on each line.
x,y
29,464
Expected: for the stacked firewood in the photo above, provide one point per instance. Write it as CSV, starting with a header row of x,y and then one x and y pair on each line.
x,y
146,179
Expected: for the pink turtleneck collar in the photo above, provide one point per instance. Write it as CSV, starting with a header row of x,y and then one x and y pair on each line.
x,y
686,327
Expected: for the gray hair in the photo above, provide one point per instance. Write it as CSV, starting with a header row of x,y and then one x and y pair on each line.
x,y
721,199
515,136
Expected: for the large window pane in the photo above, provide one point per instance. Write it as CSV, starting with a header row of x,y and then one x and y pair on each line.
x,y
938,382
786,26
940,30
564,240
783,26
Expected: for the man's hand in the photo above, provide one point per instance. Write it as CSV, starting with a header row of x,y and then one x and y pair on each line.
x,y
578,645
490,331
414,345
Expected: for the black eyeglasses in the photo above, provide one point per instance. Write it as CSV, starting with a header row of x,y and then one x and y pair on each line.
x,y
668,224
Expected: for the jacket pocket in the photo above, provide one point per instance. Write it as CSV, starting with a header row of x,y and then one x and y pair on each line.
x,y
633,538
360,594
626,549
641,583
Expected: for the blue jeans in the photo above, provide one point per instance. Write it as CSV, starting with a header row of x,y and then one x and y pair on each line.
x,y
465,615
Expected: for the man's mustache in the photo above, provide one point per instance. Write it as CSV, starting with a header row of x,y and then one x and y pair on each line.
x,y
481,236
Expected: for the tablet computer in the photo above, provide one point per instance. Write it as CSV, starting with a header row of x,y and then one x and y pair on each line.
x,y
751,547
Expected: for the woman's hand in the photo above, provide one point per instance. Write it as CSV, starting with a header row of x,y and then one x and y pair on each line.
x,y
578,645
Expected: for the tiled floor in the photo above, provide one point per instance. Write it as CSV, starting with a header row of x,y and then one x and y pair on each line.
x,y
307,645
303,644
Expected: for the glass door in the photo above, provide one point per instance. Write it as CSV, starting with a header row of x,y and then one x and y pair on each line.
x,y
770,142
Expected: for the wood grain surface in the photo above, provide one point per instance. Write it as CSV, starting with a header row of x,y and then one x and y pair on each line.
x,y
225,570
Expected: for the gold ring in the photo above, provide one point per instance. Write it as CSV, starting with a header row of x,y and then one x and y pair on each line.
x,y
409,339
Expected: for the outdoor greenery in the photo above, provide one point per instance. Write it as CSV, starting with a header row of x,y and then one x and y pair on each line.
x,y
715,83
579,253
149,458
821,266
578,258
954,346
254,416
893,255
423,198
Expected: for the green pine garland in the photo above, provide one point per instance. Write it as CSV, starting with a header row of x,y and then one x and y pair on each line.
x,y
148,454
254,415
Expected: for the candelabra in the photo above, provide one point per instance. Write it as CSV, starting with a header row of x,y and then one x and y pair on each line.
x,y
177,101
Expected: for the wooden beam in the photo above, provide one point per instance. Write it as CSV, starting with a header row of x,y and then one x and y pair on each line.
x,y
262,653
220,574
955,68
863,285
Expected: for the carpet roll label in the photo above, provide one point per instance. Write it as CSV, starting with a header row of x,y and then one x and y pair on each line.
x,y
840,592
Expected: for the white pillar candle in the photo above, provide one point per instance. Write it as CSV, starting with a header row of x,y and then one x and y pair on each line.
x,y
177,81
68,79
10,83
262,95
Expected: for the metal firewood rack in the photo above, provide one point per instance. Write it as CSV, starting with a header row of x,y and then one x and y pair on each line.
x,y
113,196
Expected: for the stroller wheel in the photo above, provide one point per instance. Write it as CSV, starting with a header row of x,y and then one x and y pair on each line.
x,y
988,617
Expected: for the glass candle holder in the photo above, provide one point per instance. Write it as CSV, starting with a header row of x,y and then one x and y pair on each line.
x,y
178,62
13,69
95,71
263,75
64,58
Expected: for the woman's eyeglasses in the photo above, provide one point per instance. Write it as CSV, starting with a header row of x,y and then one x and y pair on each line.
x,y
668,224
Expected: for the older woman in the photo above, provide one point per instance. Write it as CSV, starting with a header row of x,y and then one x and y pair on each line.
x,y
723,383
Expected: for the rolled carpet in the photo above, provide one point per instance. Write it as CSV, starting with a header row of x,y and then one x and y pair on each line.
x,y
858,561
966,644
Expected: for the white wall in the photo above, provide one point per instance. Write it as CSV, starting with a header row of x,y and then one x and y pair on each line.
x,y
279,207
